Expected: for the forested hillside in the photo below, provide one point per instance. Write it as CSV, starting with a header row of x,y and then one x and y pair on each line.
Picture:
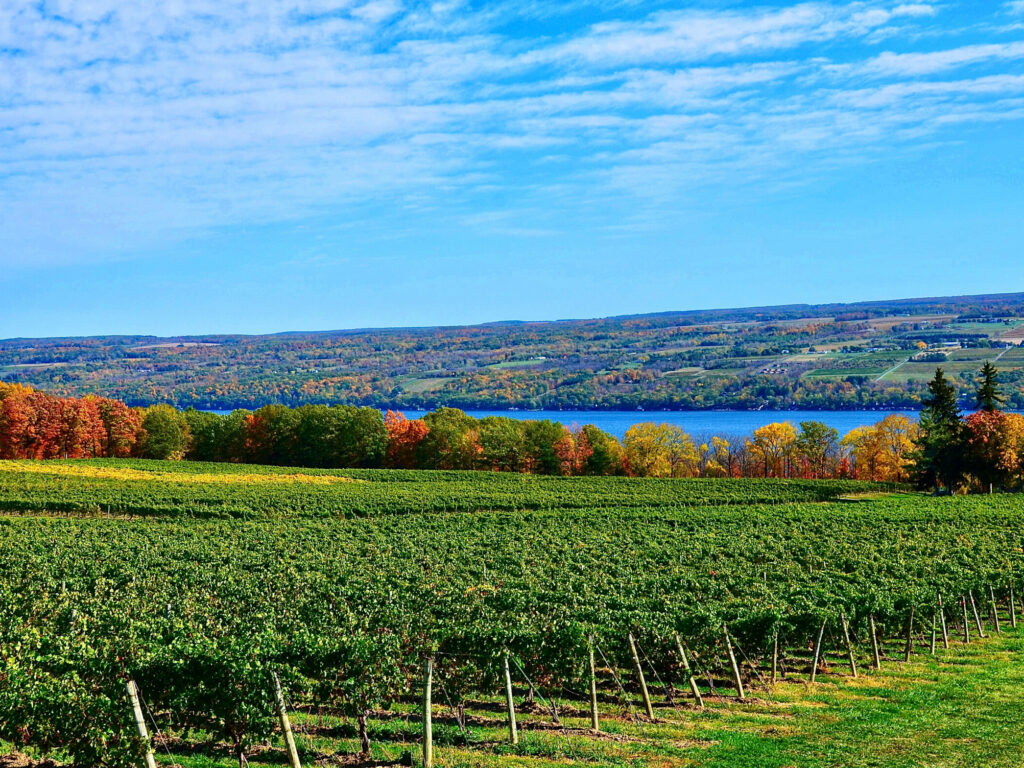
x,y
877,354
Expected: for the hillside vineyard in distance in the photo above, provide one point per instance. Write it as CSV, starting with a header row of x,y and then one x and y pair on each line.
x,y
876,355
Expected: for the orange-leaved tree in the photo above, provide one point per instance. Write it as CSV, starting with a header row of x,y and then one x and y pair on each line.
x,y
404,438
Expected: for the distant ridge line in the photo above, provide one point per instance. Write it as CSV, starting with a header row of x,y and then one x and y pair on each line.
x,y
793,310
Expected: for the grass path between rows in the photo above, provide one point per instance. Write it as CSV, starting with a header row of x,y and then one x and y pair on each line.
x,y
962,708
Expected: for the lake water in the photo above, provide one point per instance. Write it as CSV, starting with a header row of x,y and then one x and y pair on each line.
x,y
695,422
699,423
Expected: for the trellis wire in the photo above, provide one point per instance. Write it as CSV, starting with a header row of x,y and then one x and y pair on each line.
x,y
152,719
565,732
668,692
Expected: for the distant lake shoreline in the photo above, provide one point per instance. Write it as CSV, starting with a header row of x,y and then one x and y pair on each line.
x,y
698,423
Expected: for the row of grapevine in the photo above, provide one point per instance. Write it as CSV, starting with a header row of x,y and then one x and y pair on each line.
x,y
202,613
230,491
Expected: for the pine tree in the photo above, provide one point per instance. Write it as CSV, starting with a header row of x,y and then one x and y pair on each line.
x,y
939,457
988,396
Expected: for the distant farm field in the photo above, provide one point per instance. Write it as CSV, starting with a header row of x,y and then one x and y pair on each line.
x,y
840,372
764,358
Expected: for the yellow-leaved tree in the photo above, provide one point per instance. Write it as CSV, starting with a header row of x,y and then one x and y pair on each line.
x,y
865,449
896,436
773,445
1012,459
882,451
660,450
718,458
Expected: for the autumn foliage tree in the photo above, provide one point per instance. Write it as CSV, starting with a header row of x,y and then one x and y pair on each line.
x,y
660,450
80,432
773,444
983,450
35,425
574,452
883,452
17,418
121,427
994,439
404,438
863,449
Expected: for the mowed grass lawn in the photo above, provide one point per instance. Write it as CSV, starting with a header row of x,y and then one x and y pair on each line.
x,y
961,708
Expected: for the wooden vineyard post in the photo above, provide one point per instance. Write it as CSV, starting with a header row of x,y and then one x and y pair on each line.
x,y
849,645
967,622
595,724
735,667
1013,610
935,631
689,672
817,652
640,677
995,612
910,636
977,616
942,622
286,726
513,734
874,642
428,725
775,657
140,723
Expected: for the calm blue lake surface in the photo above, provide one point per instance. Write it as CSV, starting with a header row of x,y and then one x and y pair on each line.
x,y
694,422
698,423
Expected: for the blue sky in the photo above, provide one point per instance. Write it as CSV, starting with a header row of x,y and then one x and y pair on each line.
x,y
195,166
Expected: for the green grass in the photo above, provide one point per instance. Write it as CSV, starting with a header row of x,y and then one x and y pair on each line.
x,y
888,357
956,710
843,372
976,355
992,327
964,369
424,385
518,363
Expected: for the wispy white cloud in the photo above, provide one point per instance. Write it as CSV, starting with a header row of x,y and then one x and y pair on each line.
x,y
127,123
914,64
682,36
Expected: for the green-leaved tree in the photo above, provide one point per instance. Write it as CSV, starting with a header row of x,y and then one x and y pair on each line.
x,y
818,445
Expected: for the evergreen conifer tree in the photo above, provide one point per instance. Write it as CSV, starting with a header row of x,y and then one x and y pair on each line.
x,y
988,396
940,451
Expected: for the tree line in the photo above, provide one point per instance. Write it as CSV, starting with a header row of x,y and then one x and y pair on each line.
x,y
944,449
982,451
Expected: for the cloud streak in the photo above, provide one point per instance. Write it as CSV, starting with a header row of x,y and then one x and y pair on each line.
x,y
123,124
